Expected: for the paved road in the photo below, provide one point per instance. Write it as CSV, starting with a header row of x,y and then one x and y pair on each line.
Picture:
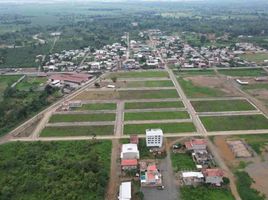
x,y
119,119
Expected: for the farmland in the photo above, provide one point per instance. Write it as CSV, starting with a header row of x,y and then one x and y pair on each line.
x,y
231,123
48,170
140,74
257,57
77,131
150,105
243,72
129,116
222,105
97,106
158,83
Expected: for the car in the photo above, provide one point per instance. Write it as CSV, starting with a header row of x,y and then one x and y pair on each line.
x,y
161,187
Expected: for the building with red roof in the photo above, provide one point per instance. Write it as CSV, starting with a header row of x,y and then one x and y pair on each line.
x,y
213,176
72,80
196,144
129,164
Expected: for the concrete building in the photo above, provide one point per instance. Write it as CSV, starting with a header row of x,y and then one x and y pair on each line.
x,y
213,176
125,191
192,178
130,151
154,137
129,164
196,144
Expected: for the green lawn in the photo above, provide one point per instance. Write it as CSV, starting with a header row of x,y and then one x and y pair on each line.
x,y
55,170
166,127
222,105
195,91
256,57
257,142
31,83
205,193
98,106
139,74
77,131
5,81
229,123
160,83
182,161
82,117
194,72
150,105
243,72
148,94
156,115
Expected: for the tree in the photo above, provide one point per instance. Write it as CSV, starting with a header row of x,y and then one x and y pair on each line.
x,y
114,79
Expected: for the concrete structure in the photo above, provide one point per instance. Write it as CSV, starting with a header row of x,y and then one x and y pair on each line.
x,y
150,175
213,176
130,151
129,164
154,138
192,178
196,144
239,149
125,191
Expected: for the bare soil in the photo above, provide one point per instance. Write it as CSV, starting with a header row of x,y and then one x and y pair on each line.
x,y
97,95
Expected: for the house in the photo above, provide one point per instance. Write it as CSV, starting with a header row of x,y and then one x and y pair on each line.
x,y
129,164
196,144
125,191
130,151
202,157
213,176
192,178
154,137
151,176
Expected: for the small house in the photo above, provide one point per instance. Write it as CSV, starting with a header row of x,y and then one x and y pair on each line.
x,y
125,191
213,176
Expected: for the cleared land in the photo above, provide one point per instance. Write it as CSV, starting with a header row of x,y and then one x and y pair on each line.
x,y
127,95
150,105
82,117
193,91
229,123
166,127
77,131
156,115
47,170
98,106
160,83
31,83
222,105
243,72
182,161
205,193
256,57
139,74
194,72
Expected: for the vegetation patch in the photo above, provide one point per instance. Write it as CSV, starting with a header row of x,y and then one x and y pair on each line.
x,y
243,72
205,193
246,192
166,127
182,161
82,117
6,81
31,83
54,170
231,123
150,105
98,106
222,105
77,131
194,72
139,74
196,91
159,83
156,115
255,57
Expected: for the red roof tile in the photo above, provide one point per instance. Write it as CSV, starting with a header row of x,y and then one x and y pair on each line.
x,y
213,172
130,162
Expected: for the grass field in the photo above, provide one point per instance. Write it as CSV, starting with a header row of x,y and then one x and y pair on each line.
x,y
156,115
257,142
196,91
195,72
243,72
149,105
127,95
77,131
47,170
166,127
256,57
205,193
160,83
222,105
98,106
82,117
182,161
229,123
139,74
31,83
5,81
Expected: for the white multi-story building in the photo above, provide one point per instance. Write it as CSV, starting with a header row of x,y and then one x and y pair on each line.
x,y
154,137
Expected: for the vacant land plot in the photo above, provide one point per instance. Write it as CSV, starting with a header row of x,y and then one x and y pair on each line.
x,y
5,81
126,95
82,117
150,105
156,115
255,86
205,193
47,170
182,161
98,106
194,72
77,131
257,142
229,123
139,74
31,83
243,72
222,105
166,127
255,57
192,90
163,83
